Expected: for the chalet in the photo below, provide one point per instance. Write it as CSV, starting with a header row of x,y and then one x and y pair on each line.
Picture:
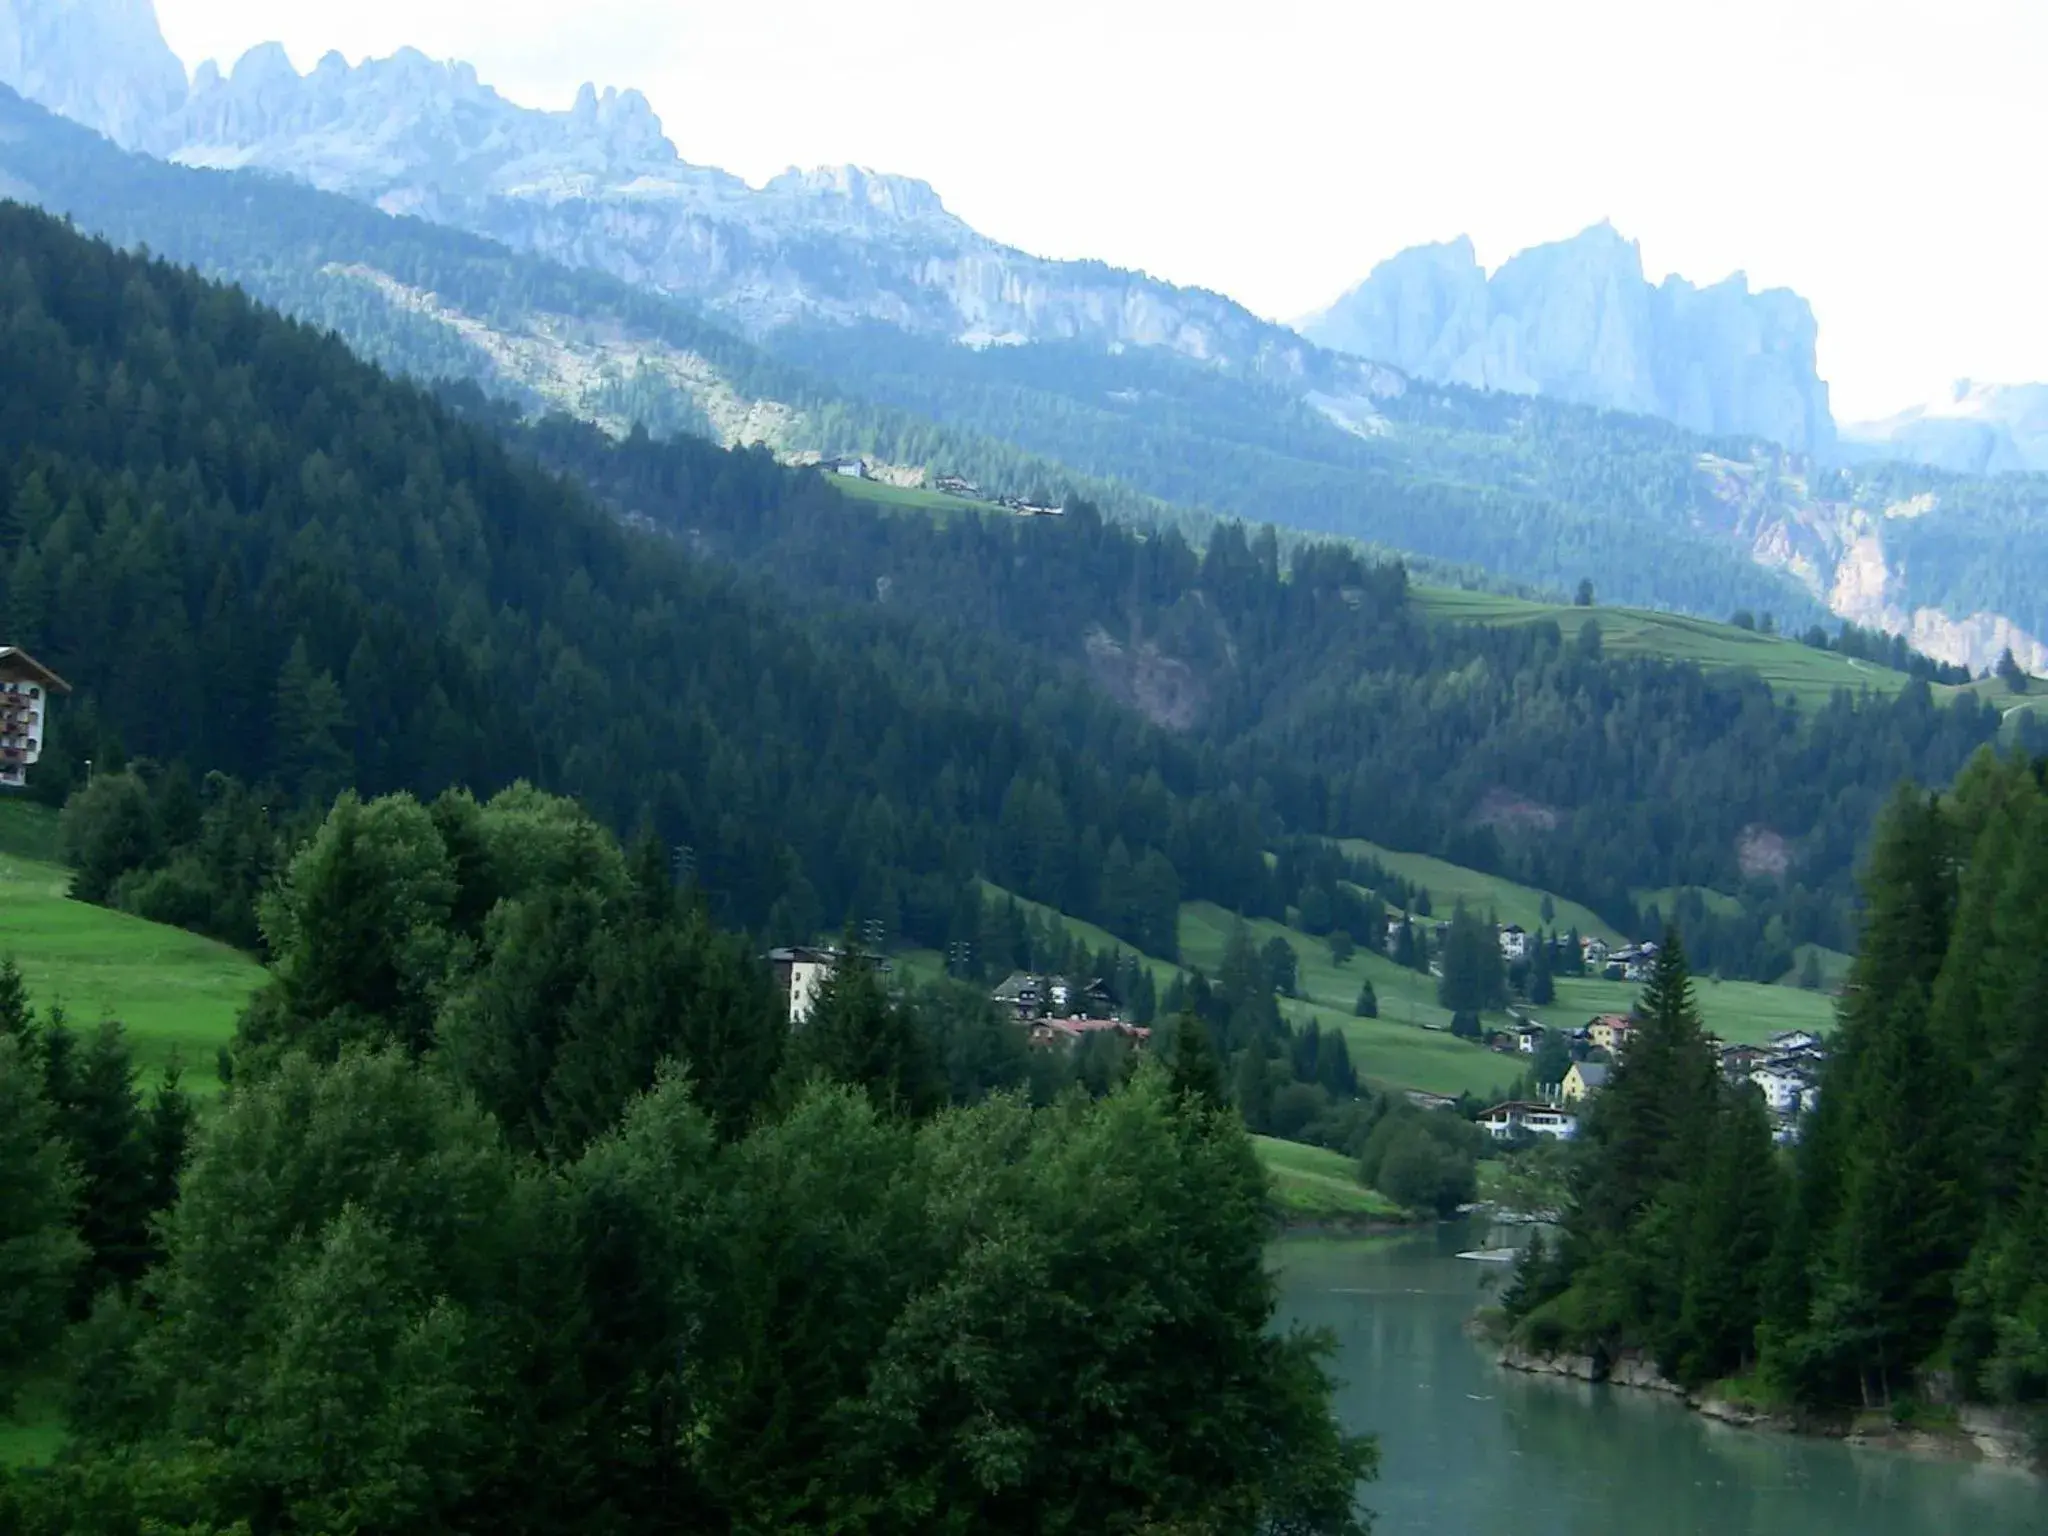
x,y
1529,1038
1585,1079
1594,952
1611,1033
1031,996
799,973
1506,1122
852,467
1738,1061
1633,963
26,688
1514,943
1795,1041
1022,993
953,485
1067,1034
1789,1087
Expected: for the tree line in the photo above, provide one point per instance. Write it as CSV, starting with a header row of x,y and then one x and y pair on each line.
x,y
524,1209
333,579
1894,1255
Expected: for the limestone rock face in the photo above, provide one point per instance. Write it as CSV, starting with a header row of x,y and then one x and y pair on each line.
x,y
103,63
1578,321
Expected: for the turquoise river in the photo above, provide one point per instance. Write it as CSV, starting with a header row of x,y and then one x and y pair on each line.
x,y
1467,1447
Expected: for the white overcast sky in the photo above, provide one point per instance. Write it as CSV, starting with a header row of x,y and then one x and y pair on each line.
x,y
1883,157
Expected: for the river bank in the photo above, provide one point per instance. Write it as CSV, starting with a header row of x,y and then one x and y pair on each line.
x,y
1962,1432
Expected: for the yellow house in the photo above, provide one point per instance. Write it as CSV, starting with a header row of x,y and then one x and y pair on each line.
x,y
1585,1079
1610,1032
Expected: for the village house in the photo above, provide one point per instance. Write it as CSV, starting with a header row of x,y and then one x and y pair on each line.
x,y
1529,1038
1738,1061
1594,952
1631,964
1611,1033
953,485
1506,1122
1514,943
1789,1087
799,972
1794,1042
26,688
1030,996
851,466
1585,1079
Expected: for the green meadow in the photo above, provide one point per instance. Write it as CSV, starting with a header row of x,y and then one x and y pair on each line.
x,y
1788,665
1482,893
176,994
1316,1184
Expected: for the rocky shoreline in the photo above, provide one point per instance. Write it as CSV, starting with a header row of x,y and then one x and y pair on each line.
x,y
1979,1432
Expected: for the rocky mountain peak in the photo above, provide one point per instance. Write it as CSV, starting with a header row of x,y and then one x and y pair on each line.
x,y
855,195
1576,319
103,63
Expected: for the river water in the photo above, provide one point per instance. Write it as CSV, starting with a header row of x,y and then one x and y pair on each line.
x,y
1467,1447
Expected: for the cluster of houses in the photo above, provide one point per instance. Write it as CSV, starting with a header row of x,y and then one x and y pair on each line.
x,y
1053,1011
1056,1012
1631,962
1786,1071
853,467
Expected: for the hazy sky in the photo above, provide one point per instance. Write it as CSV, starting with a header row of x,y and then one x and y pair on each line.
x,y
1883,157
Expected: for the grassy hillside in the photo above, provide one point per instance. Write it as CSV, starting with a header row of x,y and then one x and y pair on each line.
x,y
1315,1184
1408,1046
1743,1012
177,994
1786,664
1509,902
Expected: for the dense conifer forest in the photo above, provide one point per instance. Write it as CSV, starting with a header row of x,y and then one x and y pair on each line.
x,y
259,558
1897,1255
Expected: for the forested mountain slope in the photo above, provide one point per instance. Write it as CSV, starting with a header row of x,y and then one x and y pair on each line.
x,y
1541,494
1326,691
334,579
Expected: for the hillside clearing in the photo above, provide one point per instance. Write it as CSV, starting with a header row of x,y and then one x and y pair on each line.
x,y
1788,665
1484,894
1314,1183
177,995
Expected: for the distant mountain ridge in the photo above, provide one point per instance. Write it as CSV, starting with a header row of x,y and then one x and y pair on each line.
x,y
942,351
1577,320
1974,429
601,185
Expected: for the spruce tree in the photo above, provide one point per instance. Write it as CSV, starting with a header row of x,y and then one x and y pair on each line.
x,y
1194,1072
1886,1267
1542,987
1734,1206
100,1117
858,1035
40,1251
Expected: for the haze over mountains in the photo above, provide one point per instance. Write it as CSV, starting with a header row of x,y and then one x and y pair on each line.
x,y
934,349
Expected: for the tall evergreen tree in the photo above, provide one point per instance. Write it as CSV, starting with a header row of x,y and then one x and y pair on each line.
x,y
40,1251
857,1035
1734,1203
